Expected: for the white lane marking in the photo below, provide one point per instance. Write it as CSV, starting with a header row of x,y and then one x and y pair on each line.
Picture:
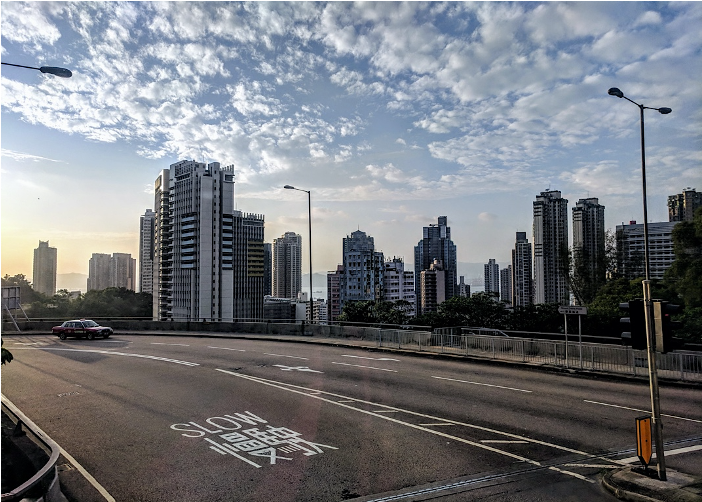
x,y
126,354
484,384
372,358
172,344
306,392
87,476
668,453
435,425
369,367
282,355
500,441
226,348
642,411
296,368
80,468
384,411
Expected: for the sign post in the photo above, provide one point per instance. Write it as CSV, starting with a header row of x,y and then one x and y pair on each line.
x,y
579,311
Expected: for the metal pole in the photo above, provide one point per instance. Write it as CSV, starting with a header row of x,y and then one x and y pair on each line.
x,y
580,339
565,317
648,315
309,219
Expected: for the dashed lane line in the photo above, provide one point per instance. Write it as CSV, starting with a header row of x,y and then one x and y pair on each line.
x,y
283,355
361,366
226,348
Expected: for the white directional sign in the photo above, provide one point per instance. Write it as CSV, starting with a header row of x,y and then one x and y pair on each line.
x,y
573,310
296,368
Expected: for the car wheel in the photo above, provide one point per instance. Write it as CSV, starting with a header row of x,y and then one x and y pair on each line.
x,y
91,336
106,335
62,336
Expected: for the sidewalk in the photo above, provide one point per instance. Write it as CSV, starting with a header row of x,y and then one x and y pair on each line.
x,y
634,487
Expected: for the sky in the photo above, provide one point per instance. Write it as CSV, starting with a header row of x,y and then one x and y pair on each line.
x,y
391,114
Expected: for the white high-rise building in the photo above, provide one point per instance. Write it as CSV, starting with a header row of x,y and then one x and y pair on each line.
x,y
116,271
209,257
398,284
492,277
287,265
551,248
630,249
99,276
362,272
146,251
522,285
44,269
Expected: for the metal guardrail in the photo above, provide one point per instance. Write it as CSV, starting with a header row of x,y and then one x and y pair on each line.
x,y
45,481
685,366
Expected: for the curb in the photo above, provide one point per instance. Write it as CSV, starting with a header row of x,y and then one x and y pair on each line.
x,y
622,493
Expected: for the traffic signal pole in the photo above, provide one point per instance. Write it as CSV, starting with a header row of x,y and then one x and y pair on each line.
x,y
653,381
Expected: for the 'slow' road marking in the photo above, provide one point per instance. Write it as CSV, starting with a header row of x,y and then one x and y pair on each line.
x,y
483,384
642,411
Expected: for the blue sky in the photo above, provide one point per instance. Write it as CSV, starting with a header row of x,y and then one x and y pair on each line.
x,y
390,113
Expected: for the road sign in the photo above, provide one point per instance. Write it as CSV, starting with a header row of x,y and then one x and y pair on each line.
x,y
643,440
573,310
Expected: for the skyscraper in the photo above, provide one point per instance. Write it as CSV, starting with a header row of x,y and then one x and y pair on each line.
x,y
116,271
522,285
551,248
398,284
436,244
589,240
122,271
99,276
287,265
44,269
209,257
492,277
630,249
506,284
146,251
267,269
432,286
682,207
362,274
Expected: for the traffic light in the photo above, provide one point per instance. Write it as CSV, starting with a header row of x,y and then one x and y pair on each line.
x,y
636,322
664,325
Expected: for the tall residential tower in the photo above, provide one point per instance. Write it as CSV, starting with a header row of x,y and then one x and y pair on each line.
x,y
436,244
209,257
44,269
287,265
551,248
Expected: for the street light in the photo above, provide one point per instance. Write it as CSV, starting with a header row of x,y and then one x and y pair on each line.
x,y
309,220
54,70
652,371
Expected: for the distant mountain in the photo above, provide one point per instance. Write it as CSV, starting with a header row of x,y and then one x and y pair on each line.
x,y
72,282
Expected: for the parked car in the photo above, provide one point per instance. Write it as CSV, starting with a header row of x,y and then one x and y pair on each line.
x,y
81,328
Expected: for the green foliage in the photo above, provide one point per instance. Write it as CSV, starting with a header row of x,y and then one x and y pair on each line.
x,y
376,312
536,318
685,275
480,309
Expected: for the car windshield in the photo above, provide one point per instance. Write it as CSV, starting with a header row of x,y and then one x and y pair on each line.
x,y
90,324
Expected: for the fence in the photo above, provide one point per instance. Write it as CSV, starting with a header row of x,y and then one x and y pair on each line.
x,y
685,366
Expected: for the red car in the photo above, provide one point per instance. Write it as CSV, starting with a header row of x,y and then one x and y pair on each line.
x,y
82,328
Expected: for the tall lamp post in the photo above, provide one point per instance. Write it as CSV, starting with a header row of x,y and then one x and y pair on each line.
x,y
59,72
652,371
309,220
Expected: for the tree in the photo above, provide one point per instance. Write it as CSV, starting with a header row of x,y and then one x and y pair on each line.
x,y
27,293
686,272
479,310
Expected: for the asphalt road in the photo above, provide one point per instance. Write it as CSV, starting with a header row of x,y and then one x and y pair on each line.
x,y
193,419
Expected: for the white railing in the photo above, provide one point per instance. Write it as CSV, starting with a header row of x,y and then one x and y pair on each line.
x,y
586,356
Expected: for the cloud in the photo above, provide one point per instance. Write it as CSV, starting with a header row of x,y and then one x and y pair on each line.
x,y
21,157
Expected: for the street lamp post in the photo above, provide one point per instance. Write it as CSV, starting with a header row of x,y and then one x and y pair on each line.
x,y
309,221
652,371
54,70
